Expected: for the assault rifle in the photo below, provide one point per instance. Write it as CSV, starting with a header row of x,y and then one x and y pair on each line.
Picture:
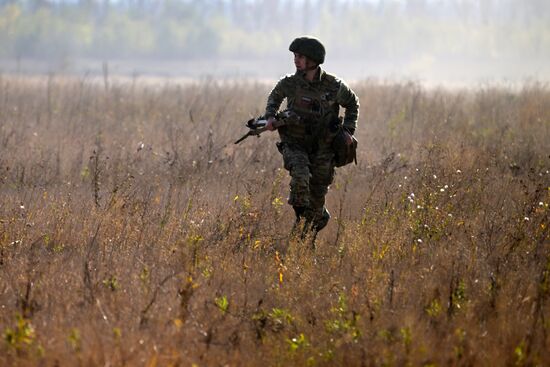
x,y
258,125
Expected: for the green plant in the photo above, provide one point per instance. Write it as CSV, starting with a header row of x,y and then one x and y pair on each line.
x,y
222,303
345,322
22,335
111,282
75,340
434,309
298,343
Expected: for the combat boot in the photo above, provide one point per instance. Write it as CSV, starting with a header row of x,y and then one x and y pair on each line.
x,y
317,224
321,222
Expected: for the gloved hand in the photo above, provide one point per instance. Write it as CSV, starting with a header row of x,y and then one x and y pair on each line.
x,y
349,132
270,122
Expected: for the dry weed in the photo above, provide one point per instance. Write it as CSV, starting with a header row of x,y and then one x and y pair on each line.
x,y
133,232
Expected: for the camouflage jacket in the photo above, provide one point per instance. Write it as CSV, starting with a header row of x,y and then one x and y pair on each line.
x,y
316,101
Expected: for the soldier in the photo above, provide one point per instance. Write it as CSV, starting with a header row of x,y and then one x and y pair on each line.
x,y
315,96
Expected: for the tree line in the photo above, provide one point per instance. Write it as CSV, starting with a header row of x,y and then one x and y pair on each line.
x,y
175,29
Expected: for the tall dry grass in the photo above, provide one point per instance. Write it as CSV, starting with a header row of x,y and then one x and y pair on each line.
x,y
133,232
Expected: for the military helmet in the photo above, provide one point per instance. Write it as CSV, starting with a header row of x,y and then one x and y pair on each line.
x,y
310,47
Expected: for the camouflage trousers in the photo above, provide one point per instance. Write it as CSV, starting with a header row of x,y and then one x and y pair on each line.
x,y
311,172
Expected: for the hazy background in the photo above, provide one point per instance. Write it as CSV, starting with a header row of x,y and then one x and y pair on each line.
x,y
453,41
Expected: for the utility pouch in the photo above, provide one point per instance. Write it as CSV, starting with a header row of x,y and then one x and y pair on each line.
x,y
343,153
307,104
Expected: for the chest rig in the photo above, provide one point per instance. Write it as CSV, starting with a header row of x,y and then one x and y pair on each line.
x,y
316,105
308,104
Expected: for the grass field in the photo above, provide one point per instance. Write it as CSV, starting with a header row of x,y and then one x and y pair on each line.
x,y
134,233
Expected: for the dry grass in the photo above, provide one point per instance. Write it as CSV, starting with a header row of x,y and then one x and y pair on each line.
x,y
133,232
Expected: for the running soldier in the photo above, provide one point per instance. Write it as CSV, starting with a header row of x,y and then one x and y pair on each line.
x,y
315,96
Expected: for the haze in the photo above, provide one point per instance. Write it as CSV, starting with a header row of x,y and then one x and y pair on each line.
x,y
444,41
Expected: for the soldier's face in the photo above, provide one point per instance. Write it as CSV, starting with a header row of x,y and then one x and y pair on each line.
x,y
300,61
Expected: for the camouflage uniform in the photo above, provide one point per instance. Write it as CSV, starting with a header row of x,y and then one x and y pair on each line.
x,y
306,146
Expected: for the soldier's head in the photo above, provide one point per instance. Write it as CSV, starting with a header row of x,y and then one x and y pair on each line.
x,y
309,53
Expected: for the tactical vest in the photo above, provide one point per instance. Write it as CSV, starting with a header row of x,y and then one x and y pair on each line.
x,y
317,109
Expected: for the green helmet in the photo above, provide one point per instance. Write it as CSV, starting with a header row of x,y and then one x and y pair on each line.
x,y
310,47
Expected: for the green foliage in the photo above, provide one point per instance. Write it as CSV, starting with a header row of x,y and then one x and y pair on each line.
x,y
195,239
298,343
222,303
22,335
458,296
520,354
144,275
74,339
111,282
460,335
344,322
434,309
280,317
277,203
406,336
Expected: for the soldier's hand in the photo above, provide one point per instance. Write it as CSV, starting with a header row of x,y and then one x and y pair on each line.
x,y
270,122
349,140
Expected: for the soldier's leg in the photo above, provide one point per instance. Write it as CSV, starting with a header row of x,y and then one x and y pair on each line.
x,y
319,213
296,161
322,174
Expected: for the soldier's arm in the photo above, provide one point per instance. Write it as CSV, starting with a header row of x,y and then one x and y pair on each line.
x,y
347,99
275,98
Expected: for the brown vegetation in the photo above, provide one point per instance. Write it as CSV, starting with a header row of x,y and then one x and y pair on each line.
x,y
133,232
